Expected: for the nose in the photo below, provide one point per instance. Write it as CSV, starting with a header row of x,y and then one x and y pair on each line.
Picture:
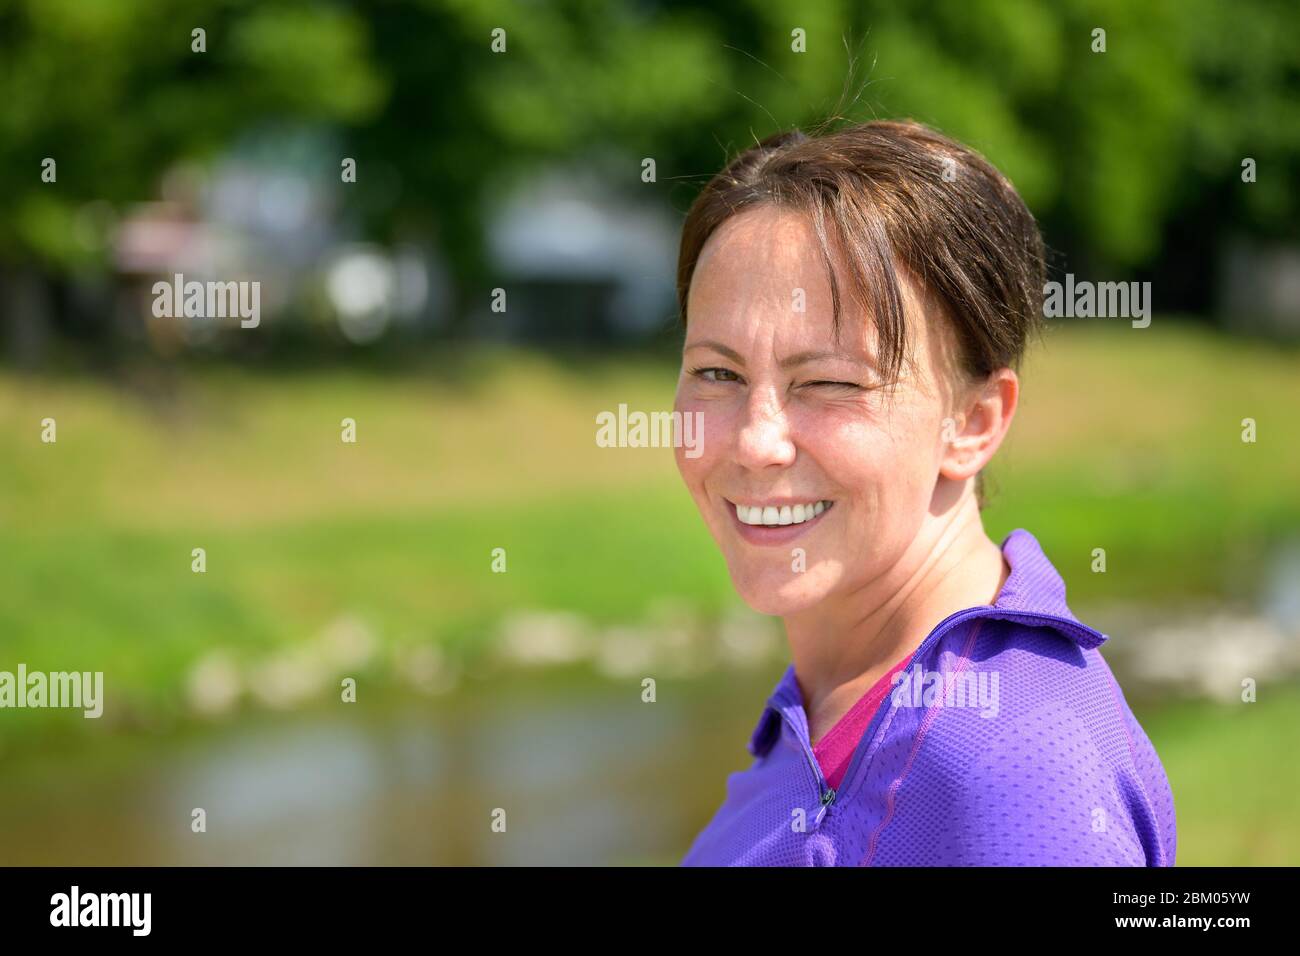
x,y
765,436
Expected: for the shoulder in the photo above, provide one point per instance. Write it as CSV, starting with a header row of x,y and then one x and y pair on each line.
x,y
1024,751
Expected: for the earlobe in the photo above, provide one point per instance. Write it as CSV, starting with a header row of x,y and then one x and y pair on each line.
x,y
962,458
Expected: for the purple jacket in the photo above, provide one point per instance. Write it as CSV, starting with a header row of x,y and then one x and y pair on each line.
x,y
1005,742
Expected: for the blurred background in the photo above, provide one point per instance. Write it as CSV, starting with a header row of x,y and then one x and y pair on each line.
x,y
523,170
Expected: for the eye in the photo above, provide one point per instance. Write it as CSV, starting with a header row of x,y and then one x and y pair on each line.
x,y
716,374
828,384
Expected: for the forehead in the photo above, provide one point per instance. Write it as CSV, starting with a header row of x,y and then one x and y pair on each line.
x,y
763,250
755,274
757,266
743,292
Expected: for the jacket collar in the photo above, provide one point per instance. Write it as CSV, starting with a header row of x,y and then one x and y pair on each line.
x,y
1032,588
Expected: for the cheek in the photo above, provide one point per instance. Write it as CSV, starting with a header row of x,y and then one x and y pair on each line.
x,y
915,459
697,461
888,463
692,470
853,451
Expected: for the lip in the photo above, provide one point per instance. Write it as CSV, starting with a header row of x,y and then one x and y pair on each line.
x,y
776,535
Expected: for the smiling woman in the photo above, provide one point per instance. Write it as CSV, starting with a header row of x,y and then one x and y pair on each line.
x,y
840,479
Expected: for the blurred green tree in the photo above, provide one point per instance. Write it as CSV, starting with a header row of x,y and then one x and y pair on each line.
x,y
114,94
1118,152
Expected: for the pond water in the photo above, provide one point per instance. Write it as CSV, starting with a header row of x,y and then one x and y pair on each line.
x,y
591,776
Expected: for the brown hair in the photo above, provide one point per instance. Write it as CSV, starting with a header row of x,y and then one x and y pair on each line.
x,y
896,192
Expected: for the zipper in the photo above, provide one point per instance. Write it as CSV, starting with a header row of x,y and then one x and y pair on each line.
x,y
826,793
828,797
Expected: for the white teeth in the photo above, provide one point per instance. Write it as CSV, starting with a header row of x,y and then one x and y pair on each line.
x,y
786,514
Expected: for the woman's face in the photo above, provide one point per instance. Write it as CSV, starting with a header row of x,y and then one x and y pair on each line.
x,y
813,478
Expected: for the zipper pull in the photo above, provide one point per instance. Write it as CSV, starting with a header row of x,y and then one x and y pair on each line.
x,y
827,799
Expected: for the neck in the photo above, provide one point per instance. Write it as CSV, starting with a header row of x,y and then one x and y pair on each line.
x,y
844,644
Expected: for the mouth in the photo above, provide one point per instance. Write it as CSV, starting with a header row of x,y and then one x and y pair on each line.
x,y
777,522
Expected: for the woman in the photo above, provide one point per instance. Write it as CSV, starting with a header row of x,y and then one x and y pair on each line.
x,y
943,705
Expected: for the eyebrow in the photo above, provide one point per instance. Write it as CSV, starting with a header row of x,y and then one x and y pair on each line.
x,y
790,361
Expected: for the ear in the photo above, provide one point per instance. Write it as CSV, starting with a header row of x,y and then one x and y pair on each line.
x,y
979,424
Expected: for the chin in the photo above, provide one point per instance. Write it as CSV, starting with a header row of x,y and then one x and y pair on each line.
x,y
778,592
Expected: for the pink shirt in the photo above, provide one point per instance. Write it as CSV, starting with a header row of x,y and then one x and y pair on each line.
x,y
835,749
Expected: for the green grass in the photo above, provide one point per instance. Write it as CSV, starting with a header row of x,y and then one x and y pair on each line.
x,y
1234,777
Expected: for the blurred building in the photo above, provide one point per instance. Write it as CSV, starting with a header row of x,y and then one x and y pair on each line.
x,y
1259,290
582,260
